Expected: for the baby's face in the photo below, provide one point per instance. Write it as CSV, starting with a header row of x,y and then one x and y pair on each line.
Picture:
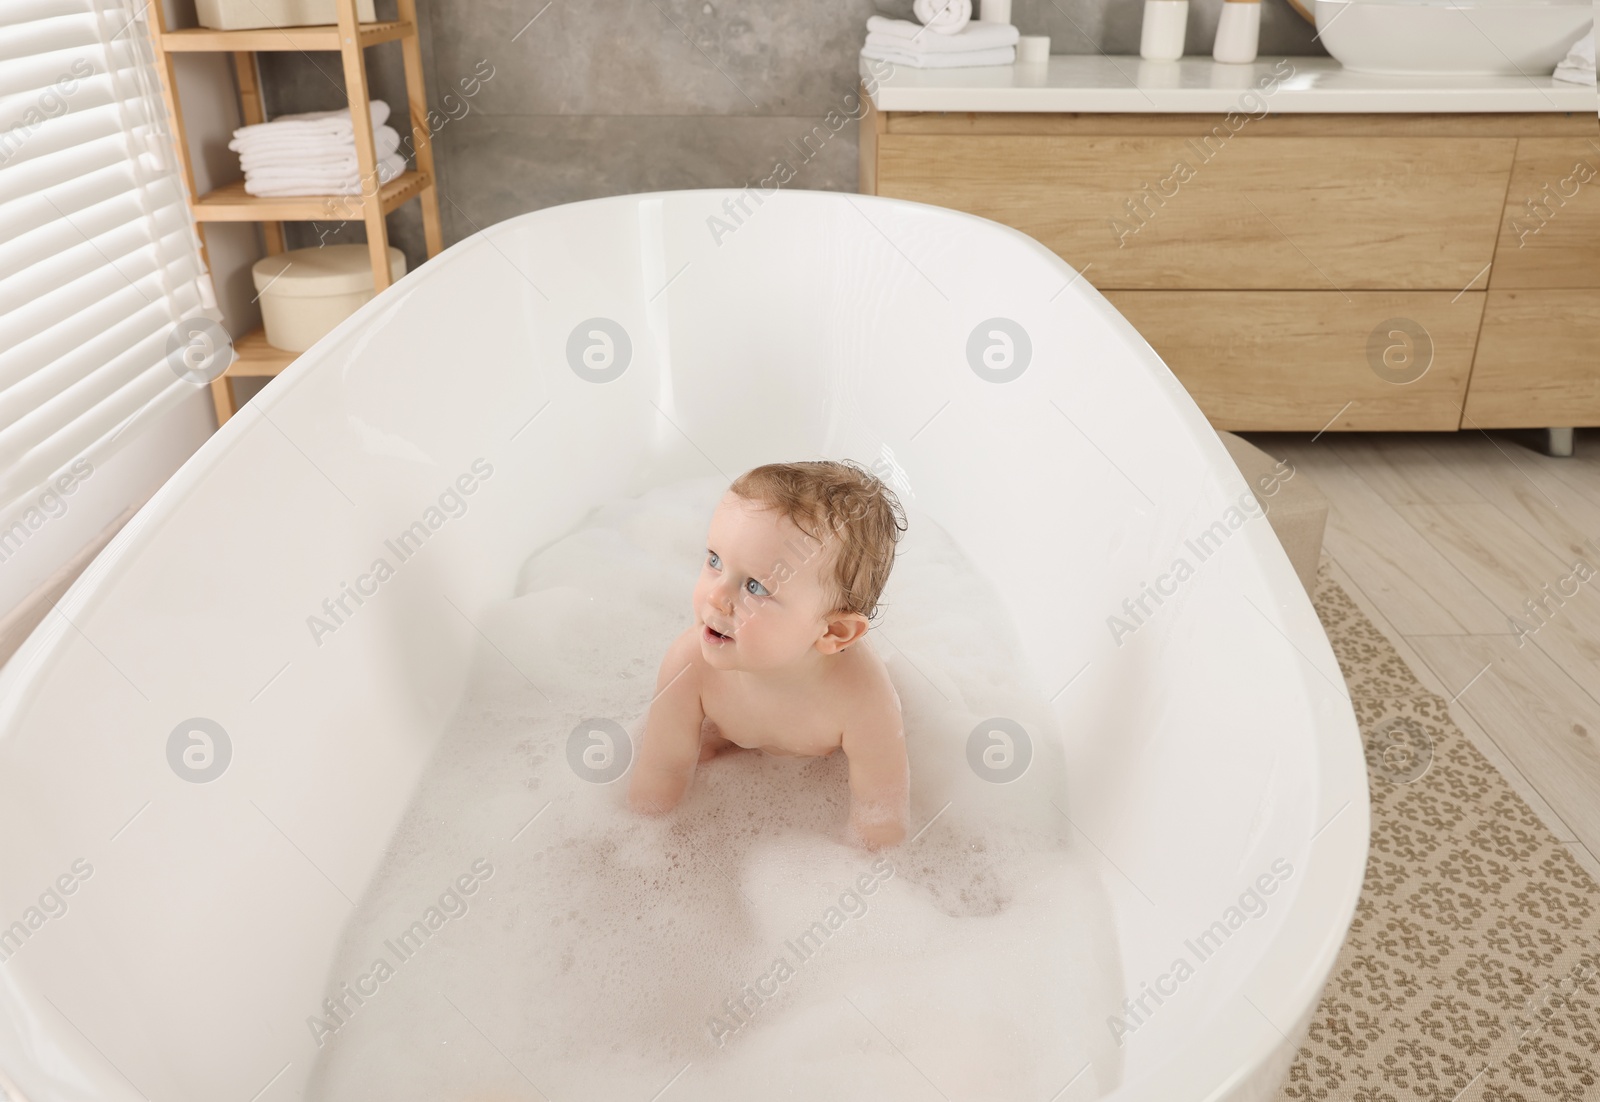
x,y
762,585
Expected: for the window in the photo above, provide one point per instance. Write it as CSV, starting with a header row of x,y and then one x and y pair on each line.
x,y
99,257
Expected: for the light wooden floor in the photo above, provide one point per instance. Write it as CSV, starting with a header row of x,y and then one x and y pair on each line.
x,y
1442,539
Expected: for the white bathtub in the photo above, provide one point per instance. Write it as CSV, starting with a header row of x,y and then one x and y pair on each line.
x,y
1202,747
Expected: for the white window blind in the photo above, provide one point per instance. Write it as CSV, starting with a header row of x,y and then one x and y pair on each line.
x,y
99,257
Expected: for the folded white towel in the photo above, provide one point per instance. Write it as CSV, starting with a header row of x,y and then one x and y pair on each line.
x,y
316,154
1578,66
314,183
390,166
320,167
1003,55
385,136
309,124
943,16
902,34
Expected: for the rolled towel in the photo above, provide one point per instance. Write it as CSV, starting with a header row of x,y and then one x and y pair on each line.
x,y
308,124
310,183
943,16
1578,66
1001,55
902,34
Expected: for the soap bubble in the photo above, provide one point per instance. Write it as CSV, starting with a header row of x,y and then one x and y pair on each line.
x,y
612,950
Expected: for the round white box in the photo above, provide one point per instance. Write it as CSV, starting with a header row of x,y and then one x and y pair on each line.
x,y
306,292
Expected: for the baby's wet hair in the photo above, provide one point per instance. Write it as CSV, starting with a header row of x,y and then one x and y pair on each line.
x,y
844,506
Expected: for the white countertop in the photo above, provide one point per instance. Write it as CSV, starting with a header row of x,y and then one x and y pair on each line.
x,y
1101,82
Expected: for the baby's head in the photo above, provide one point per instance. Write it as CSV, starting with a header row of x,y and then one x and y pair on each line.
x,y
796,559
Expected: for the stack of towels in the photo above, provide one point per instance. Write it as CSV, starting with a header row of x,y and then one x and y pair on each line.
x,y
948,38
313,153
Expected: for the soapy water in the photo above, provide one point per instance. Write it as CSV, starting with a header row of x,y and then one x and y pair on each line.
x,y
741,946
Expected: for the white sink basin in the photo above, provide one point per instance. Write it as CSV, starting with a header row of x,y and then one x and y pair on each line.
x,y
1527,37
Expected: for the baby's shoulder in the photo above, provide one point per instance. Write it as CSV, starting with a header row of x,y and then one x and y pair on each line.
x,y
863,675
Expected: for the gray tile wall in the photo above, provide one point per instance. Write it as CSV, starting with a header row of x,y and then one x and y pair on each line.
x,y
550,102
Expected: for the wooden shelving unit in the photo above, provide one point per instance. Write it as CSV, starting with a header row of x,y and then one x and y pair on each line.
x,y
231,203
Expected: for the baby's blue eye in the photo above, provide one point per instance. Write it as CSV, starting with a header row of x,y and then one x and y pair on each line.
x,y
759,586
714,560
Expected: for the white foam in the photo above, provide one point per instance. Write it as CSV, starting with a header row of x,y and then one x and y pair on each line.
x,y
593,961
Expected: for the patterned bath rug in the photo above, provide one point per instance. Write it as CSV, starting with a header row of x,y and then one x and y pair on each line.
x,y
1472,969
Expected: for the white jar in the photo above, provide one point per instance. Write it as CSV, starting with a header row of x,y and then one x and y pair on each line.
x,y
1033,49
306,292
1162,33
1238,31
994,11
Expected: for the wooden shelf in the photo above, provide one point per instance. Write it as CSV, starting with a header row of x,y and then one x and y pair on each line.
x,y
231,203
271,39
256,357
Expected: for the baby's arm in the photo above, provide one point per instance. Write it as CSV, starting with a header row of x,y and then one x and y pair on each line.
x,y
880,775
670,746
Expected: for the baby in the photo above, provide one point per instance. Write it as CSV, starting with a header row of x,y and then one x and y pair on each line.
x,y
777,658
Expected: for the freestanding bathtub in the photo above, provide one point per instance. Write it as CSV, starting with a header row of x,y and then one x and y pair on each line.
x,y
196,777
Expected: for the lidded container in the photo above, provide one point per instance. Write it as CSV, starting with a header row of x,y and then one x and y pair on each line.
x,y
306,292
246,15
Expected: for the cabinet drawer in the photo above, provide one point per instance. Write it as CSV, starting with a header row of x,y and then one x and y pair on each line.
x,y
1550,232
1244,212
1538,361
1304,361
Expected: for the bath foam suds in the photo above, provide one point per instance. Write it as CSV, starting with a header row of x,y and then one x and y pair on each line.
x,y
739,947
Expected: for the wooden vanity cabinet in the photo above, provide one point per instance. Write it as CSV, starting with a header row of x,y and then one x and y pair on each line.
x,y
1299,272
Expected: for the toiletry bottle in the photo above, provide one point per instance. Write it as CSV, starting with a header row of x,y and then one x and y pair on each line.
x,y
1161,35
1238,31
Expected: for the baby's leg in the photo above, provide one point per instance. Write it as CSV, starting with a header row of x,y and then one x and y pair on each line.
x,y
712,743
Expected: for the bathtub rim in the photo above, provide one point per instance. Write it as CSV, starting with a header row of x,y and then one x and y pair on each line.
x,y
1339,875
